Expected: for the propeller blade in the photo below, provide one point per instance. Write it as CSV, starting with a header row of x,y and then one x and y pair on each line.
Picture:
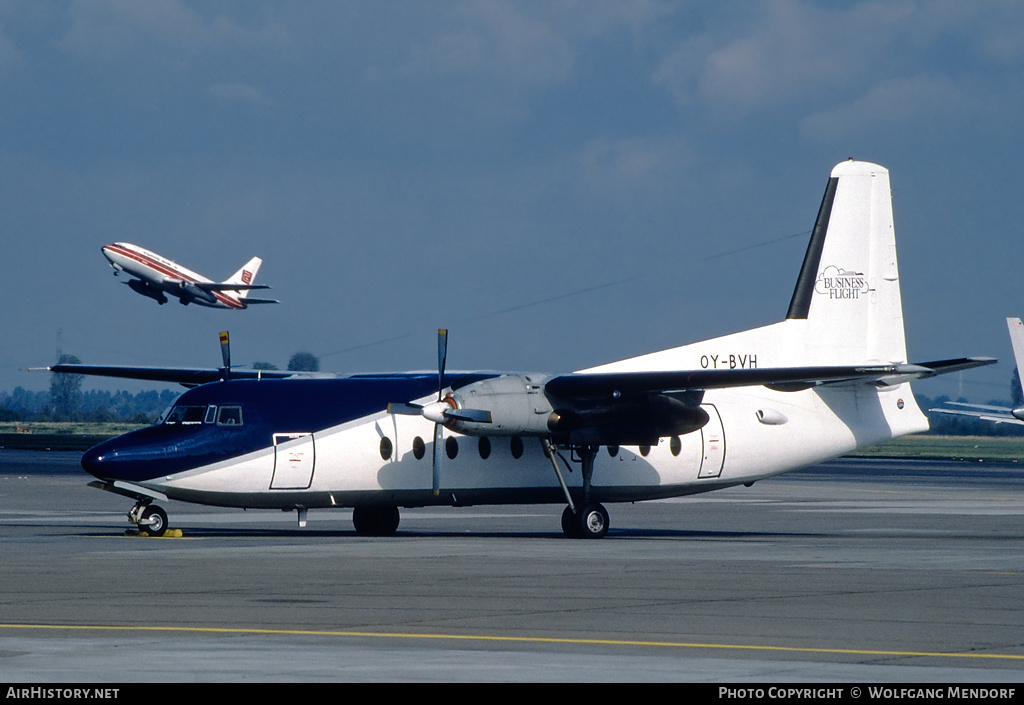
x,y
225,354
442,358
405,408
475,415
438,442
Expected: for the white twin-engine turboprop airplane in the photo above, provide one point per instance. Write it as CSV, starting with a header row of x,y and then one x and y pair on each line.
x,y
156,276
830,378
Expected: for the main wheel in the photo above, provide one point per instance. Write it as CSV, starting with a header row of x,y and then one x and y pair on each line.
x,y
592,522
569,527
375,521
153,520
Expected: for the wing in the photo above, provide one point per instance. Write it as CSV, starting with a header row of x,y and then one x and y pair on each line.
x,y
782,379
227,286
632,408
986,412
187,376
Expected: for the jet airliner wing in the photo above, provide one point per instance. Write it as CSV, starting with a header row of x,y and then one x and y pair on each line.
x,y
228,286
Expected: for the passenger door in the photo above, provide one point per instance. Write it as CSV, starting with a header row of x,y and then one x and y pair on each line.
x,y
294,459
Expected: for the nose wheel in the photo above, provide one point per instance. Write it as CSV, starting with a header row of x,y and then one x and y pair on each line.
x,y
149,518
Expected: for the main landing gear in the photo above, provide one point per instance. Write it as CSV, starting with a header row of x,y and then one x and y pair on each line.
x,y
590,521
375,521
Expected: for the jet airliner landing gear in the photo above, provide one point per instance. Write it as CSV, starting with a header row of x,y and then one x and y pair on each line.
x,y
149,517
591,520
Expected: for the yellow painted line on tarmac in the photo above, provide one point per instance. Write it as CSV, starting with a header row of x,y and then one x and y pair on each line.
x,y
514,640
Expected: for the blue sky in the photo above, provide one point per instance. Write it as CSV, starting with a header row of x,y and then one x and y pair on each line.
x,y
561,183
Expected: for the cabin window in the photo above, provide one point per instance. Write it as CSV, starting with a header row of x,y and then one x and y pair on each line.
x,y
644,450
385,448
451,447
516,446
419,448
613,451
485,447
186,415
229,416
675,445
211,414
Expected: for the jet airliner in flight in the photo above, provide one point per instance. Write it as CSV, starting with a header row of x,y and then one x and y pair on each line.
x,y
830,378
156,277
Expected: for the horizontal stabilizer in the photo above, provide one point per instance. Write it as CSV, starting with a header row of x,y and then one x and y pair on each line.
x,y
228,286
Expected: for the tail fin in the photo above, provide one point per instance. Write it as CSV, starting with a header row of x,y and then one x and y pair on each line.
x,y
846,308
1017,341
848,292
246,275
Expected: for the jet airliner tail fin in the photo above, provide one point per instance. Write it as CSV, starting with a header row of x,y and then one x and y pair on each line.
x,y
245,276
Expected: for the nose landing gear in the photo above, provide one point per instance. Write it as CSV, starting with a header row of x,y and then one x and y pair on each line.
x,y
149,518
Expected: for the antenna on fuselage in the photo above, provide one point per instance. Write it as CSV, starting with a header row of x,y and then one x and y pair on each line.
x,y
225,354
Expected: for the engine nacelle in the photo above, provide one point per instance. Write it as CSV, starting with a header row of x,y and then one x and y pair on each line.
x,y
517,405
141,287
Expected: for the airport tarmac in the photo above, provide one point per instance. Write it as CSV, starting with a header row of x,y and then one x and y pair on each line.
x,y
853,571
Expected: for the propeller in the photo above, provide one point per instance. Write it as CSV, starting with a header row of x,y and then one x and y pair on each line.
x,y
225,354
433,411
442,358
441,411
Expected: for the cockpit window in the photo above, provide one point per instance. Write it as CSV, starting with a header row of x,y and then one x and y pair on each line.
x,y
229,416
186,415
194,415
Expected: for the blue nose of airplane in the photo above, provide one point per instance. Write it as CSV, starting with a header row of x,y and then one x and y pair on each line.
x,y
95,462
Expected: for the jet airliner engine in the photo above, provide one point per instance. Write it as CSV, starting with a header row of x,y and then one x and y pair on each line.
x,y
145,289
517,405
194,293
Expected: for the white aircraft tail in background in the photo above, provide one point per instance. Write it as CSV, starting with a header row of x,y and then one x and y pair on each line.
x,y
156,277
988,412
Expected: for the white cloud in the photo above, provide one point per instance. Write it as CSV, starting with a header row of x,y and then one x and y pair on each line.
x,y
628,168
491,39
925,103
778,53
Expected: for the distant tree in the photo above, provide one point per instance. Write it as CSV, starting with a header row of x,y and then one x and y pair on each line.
x,y
304,362
264,366
66,392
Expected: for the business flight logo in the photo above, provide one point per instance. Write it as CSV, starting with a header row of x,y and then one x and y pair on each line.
x,y
839,283
246,276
